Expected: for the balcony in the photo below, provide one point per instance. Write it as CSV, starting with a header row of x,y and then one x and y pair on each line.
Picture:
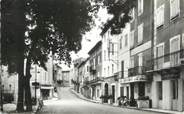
x,y
95,80
169,63
139,70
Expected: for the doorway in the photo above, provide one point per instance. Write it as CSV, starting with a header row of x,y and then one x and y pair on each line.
x,y
113,93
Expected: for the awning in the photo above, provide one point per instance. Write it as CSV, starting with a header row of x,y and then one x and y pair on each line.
x,y
46,87
139,78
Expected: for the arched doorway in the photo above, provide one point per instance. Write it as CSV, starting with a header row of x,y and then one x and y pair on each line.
x,y
106,92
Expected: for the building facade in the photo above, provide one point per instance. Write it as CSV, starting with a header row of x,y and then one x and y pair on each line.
x,y
43,79
95,79
124,61
141,36
168,59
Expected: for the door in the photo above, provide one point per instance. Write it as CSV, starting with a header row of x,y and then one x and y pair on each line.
x,y
141,89
121,91
113,93
132,90
106,92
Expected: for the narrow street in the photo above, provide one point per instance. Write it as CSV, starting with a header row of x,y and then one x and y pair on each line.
x,y
68,103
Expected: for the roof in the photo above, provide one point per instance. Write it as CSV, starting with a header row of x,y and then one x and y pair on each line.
x,y
95,47
83,62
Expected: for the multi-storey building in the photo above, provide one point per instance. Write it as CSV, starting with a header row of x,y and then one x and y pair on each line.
x,y
168,72
109,65
95,61
43,79
85,75
124,61
141,35
76,78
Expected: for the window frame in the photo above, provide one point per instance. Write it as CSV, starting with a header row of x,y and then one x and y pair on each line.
x,y
177,13
140,7
159,16
132,34
140,29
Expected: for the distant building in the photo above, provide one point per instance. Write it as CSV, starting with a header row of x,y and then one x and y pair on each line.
x,y
44,79
9,85
65,77
95,79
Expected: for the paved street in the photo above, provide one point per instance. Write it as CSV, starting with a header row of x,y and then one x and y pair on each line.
x,y
68,103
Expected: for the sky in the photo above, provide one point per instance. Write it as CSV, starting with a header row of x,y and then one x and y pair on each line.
x,y
92,37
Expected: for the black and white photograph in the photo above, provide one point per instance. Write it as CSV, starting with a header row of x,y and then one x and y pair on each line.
x,y
92,57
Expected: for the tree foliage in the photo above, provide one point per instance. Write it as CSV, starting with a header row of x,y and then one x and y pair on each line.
x,y
34,29
120,9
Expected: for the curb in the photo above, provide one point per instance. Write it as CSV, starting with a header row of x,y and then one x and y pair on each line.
x,y
140,109
78,96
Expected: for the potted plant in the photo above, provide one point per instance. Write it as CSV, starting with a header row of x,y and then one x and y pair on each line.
x,y
104,98
110,99
143,102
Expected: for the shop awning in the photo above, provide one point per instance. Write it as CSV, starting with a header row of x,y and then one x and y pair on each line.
x,y
46,87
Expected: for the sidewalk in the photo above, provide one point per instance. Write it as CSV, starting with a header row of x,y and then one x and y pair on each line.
x,y
134,108
11,109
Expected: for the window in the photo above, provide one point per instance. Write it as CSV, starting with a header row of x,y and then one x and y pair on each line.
x,y
132,62
87,68
160,90
120,43
174,8
175,89
140,7
159,59
140,59
126,40
132,38
140,33
108,71
112,48
160,16
174,47
132,14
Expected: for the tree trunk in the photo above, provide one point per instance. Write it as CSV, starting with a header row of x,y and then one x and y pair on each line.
x,y
20,103
28,99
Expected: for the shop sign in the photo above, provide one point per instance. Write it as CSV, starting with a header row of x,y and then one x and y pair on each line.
x,y
170,76
134,79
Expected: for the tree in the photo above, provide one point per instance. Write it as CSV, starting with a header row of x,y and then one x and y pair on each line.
x,y
33,29
120,9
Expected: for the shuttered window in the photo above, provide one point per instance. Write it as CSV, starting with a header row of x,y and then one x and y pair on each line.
x,y
174,8
160,16
140,7
140,33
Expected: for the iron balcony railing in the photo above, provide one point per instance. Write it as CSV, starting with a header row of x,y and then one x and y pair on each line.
x,y
96,79
138,70
168,60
